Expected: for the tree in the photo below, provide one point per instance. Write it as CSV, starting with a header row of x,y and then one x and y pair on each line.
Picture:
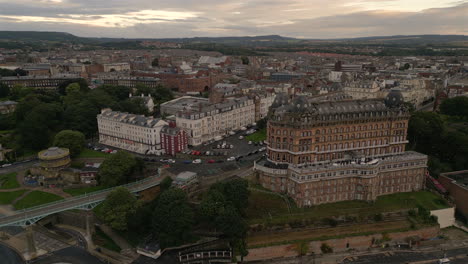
x,y
73,140
118,206
117,169
245,60
325,248
457,106
36,128
166,183
4,90
81,82
18,91
236,191
424,130
155,62
173,218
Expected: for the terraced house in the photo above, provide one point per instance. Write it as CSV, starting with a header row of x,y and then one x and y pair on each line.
x,y
321,152
135,133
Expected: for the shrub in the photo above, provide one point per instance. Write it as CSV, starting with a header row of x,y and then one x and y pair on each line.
x,y
325,248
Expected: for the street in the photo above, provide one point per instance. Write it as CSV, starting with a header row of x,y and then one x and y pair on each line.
x,y
408,257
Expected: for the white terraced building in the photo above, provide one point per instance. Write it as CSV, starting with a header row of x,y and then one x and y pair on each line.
x,y
135,133
205,121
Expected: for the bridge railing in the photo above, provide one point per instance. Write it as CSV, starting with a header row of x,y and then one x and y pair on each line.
x,y
87,195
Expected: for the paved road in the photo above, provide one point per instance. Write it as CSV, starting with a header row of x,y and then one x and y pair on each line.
x,y
9,256
19,166
71,255
20,217
408,257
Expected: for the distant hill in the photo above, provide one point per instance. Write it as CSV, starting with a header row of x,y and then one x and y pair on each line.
x,y
401,39
37,35
251,41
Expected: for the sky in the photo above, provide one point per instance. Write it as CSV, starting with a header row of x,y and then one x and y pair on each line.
x,y
313,19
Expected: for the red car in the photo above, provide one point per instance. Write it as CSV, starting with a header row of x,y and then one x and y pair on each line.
x,y
210,161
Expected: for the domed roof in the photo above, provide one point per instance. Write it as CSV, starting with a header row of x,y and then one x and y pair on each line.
x,y
394,99
280,99
53,153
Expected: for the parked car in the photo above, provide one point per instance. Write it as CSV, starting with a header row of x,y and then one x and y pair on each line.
x,y
231,159
187,162
262,149
241,137
219,161
197,161
232,133
250,142
243,128
163,160
6,165
170,161
210,161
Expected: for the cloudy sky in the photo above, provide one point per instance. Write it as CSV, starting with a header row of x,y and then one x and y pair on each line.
x,y
189,18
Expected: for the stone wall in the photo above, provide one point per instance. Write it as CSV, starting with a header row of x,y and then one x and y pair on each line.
x,y
338,245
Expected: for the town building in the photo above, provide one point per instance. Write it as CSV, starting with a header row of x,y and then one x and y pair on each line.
x,y
204,121
321,152
39,82
7,107
135,133
116,67
456,183
173,139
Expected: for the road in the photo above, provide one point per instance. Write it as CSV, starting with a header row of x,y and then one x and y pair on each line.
x,y
409,257
9,256
19,166
24,217
71,255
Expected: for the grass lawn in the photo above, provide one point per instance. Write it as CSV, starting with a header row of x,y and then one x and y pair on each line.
x,y
386,203
89,153
80,191
265,204
8,197
35,198
101,239
257,136
8,181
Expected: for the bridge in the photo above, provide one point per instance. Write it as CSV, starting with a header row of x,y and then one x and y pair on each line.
x,y
87,201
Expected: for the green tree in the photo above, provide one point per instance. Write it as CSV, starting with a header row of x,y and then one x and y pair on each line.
x,y
35,130
73,140
134,105
424,132
173,218
4,90
457,106
118,206
18,91
325,248
245,60
155,62
236,191
166,183
117,169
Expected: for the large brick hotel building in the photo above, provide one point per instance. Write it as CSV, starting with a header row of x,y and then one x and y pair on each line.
x,y
320,152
